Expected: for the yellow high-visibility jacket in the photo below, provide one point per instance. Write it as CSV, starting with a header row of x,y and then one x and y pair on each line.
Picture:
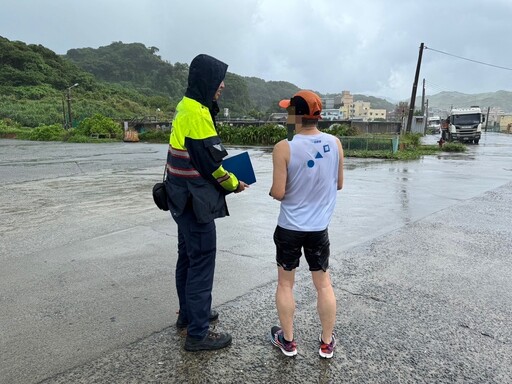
x,y
194,164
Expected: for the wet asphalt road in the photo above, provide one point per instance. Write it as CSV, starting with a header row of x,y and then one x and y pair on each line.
x,y
420,262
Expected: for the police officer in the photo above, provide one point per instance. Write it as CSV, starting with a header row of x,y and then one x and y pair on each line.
x,y
196,187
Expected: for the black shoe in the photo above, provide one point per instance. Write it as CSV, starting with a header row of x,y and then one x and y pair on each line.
x,y
211,342
180,323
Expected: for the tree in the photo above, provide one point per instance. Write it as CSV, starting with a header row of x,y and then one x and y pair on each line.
x,y
401,109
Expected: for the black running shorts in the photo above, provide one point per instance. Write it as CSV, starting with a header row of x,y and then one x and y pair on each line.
x,y
289,245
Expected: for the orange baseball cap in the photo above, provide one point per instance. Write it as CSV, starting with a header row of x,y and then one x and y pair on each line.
x,y
306,103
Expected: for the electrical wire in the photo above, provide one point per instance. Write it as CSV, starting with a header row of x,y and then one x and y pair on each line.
x,y
435,87
474,61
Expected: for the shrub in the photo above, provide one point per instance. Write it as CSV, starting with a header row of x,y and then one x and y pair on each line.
x,y
341,130
155,136
268,134
411,140
101,126
9,123
11,130
53,132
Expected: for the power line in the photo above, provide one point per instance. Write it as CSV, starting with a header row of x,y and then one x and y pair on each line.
x,y
435,87
428,82
474,61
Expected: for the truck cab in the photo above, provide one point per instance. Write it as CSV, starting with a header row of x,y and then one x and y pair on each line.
x,y
465,124
434,124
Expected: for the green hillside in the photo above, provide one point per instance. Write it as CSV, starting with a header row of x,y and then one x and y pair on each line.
x,y
134,65
266,94
34,82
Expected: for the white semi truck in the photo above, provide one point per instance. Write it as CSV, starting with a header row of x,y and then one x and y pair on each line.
x,y
434,124
465,124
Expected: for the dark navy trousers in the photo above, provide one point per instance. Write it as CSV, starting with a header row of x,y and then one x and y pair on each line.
x,y
197,246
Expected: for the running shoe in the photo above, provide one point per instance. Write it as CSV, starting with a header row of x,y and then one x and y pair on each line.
x,y
277,338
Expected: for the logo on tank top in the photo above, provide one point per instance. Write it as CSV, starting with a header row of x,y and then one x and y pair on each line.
x,y
311,163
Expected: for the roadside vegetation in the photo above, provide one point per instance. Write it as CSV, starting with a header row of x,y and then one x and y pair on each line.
x,y
99,128
90,130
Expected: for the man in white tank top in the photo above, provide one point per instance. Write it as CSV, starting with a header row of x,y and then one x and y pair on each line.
x,y
308,171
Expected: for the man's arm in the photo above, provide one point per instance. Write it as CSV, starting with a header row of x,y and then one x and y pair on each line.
x,y
340,166
280,159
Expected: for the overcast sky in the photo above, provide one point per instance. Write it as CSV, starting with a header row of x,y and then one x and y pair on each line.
x,y
366,46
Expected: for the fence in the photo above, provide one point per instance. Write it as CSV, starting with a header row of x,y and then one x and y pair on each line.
x,y
370,143
375,127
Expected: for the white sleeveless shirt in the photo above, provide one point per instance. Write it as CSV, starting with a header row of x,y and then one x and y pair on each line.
x,y
312,183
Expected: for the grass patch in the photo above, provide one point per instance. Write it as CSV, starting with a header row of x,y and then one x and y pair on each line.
x,y
454,147
409,153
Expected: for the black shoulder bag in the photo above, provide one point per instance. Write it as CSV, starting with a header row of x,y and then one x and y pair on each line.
x,y
160,194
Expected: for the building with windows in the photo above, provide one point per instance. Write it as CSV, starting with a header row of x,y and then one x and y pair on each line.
x,y
331,114
374,114
359,110
347,104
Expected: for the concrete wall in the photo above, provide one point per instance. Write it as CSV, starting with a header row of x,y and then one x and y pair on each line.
x,y
377,127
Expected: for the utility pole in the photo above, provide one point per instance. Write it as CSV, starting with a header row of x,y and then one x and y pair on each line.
x,y
423,99
487,119
64,113
426,118
70,119
414,87
70,116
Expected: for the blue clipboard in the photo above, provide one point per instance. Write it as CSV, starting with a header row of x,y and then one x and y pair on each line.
x,y
241,166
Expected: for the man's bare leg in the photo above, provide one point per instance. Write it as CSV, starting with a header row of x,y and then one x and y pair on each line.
x,y
326,303
285,301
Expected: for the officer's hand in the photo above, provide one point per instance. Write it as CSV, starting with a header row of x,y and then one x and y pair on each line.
x,y
241,186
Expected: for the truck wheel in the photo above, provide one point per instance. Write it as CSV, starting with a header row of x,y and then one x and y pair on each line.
x,y
476,141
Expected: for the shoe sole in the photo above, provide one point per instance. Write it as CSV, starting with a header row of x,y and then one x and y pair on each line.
x,y
210,348
198,349
278,345
325,355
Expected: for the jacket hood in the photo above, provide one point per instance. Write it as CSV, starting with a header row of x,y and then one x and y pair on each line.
x,y
204,77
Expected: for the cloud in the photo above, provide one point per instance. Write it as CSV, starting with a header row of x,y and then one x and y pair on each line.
x,y
366,47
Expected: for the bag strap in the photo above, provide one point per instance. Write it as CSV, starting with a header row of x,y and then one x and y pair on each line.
x,y
165,173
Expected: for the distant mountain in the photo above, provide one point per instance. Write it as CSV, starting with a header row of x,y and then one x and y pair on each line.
x,y
138,66
266,94
445,100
